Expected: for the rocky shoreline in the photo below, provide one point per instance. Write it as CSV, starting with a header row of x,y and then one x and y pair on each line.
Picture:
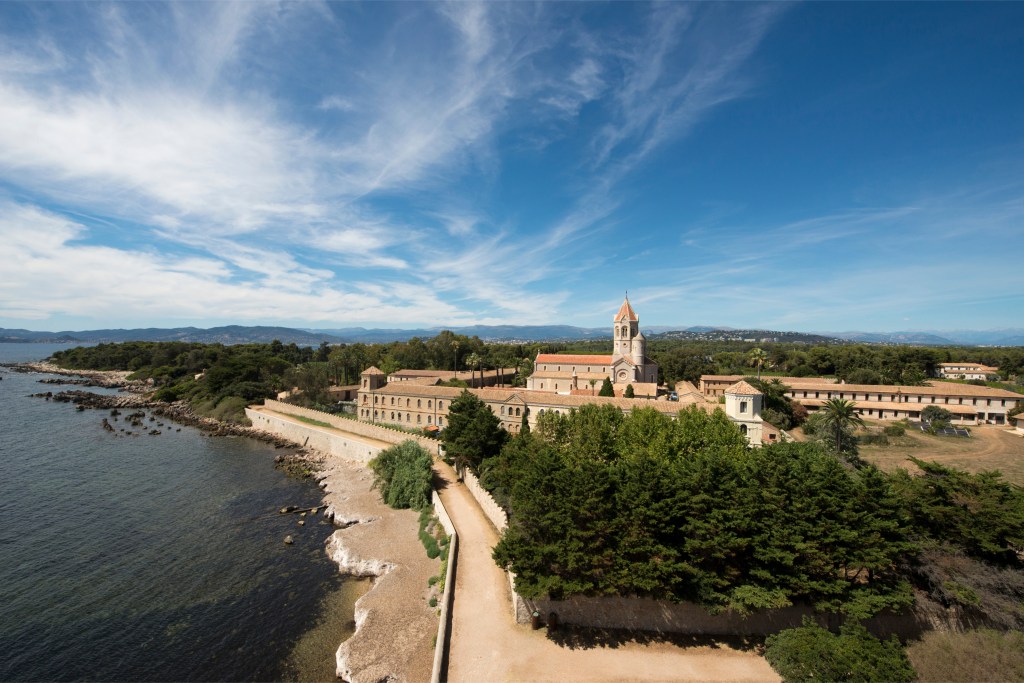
x,y
394,624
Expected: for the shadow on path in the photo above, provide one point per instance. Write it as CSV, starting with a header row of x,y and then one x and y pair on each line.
x,y
583,638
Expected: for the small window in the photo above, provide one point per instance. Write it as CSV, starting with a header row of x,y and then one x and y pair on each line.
x,y
743,406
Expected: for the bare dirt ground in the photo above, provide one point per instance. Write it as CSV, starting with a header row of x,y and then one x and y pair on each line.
x,y
487,644
990,447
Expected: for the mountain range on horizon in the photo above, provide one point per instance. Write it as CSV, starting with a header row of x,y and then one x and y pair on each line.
x,y
240,334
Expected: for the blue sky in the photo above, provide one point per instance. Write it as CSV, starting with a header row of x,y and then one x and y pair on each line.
x,y
820,166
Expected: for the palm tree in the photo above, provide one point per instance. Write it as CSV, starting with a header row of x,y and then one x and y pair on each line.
x,y
840,415
473,360
758,358
593,382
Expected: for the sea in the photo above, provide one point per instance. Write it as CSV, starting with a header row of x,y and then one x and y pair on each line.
x,y
155,557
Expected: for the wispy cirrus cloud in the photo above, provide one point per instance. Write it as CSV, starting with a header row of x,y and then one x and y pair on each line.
x,y
197,128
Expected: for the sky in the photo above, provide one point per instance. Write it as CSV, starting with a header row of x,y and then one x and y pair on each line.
x,y
807,167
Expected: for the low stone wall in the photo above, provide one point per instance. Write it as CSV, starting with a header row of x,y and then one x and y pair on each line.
x,y
645,614
487,504
444,622
356,427
312,437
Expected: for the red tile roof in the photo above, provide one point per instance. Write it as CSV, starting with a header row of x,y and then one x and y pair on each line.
x,y
626,312
571,359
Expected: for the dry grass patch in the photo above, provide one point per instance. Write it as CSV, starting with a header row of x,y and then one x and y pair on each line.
x,y
990,447
982,655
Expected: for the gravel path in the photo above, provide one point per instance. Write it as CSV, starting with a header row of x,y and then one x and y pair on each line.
x,y
487,644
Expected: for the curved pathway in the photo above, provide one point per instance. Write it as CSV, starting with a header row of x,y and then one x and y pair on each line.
x,y
487,644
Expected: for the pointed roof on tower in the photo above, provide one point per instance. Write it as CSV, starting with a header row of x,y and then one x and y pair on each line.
x,y
626,312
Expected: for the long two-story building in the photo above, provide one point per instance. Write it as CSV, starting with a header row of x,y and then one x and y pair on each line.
x,y
969,403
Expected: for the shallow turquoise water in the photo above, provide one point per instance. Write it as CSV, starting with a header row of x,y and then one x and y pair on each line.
x,y
147,557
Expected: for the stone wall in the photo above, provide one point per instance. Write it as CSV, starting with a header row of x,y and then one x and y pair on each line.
x,y
372,431
444,616
310,436
487,504
645,614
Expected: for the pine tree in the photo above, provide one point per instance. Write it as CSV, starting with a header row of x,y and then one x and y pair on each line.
x,y
629,391
606,388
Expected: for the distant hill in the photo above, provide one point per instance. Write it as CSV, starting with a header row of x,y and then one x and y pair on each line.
x,y
240,334
912,338
759,336
230,334
494,333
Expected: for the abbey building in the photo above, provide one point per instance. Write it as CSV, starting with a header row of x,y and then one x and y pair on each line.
x,y
559,384
582,374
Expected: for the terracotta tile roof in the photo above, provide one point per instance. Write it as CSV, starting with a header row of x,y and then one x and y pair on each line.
x,y
372,370
932,389
785,380
685,387
573,359
861,405
935,388
626,312
742,387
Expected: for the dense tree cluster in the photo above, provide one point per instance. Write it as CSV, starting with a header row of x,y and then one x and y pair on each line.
x,y
605,504
229,377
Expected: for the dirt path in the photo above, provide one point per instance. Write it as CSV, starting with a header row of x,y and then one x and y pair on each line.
x,y
487,644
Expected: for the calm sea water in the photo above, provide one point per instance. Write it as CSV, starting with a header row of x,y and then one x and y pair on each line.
x,y
157,558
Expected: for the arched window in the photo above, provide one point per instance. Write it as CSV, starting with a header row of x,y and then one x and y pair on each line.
x,y
743,429
419,403
408,402
517,412
417,419
392,415
428,404
392,400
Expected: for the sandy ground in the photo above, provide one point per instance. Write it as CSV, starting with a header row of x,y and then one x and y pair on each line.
x,y
487,644
396,627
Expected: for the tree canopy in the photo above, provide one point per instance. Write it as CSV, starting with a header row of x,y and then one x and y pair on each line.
x,y
602,503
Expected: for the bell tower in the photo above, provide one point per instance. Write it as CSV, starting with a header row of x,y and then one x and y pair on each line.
x,y
624,329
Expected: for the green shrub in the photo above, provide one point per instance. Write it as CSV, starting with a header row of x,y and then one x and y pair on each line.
x,y
810,653
873,440
403,474
894,430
